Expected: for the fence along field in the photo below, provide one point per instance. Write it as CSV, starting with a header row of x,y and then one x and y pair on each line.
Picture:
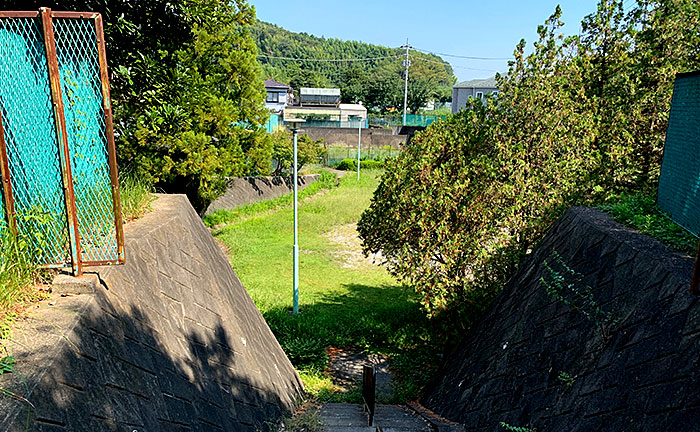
x,y
57,153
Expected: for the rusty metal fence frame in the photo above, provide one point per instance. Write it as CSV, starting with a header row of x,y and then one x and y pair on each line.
x,y
76,251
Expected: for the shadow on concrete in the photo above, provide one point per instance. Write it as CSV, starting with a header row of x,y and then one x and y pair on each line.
x,y
117,372
170,341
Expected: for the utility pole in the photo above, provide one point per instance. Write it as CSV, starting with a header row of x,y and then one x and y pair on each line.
x,y
406,63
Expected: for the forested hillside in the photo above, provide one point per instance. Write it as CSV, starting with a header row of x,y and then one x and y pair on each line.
x,y
376,83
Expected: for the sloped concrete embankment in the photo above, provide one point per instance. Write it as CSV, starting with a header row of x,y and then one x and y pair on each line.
x,y
169,342
247,190
644,377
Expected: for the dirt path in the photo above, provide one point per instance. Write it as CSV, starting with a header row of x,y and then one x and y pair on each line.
x,y
349,251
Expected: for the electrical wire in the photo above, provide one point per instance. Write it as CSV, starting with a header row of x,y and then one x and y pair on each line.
x,y
460,56
329,60
448,64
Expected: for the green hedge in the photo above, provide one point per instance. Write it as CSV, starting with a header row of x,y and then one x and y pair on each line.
x,y
351,164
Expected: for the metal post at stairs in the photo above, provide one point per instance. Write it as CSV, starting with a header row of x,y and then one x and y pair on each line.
x,y
369,382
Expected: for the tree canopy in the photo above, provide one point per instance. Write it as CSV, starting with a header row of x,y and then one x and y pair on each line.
x,y
577,121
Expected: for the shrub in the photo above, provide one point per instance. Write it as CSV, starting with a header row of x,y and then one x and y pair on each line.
x,y
282,143
469,197
351,164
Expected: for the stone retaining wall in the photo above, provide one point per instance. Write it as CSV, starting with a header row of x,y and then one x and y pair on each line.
x,y
347,137
246,190
645,377
171,341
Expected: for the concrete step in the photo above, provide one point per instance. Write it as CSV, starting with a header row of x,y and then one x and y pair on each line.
x,y
395,418
339,417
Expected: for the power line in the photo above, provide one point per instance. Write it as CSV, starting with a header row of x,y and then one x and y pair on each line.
x,y
461,56
449,64
329,60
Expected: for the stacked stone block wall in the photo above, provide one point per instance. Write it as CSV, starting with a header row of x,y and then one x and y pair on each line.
x,y
171,341
247,190
644,377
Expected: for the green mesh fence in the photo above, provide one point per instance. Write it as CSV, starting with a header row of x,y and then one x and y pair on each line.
x,y
31,139
34,149
79,69
679,183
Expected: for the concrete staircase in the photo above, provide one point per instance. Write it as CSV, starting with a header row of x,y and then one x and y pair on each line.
x,y
340,417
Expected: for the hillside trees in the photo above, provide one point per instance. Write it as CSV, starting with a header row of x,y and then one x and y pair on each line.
x,y
579,119
376,83
186,91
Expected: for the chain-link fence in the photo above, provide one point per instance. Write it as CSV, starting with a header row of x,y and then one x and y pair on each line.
x,y
57,155
411,120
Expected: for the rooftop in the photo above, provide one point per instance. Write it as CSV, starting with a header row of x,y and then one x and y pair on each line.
x,y
478,83
274,84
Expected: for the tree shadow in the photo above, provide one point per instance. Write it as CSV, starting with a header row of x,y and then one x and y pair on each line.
x,y
171,341
117,371
387,319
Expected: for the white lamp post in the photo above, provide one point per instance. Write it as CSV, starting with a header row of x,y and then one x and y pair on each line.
x,y
294,126
359,141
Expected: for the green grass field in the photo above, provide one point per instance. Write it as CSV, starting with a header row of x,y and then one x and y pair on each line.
x,y
345,301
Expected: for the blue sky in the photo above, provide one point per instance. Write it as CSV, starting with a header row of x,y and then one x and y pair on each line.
x,y
468,28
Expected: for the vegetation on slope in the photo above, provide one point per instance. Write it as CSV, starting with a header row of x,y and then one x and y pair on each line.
x,y
639,211
378,84
578,120
343,303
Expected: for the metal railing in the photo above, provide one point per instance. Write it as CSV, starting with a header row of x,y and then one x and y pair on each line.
x,y
411,120
369,384
57,152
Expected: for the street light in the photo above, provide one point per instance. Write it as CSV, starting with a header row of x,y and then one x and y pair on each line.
x,y
294,126
359,141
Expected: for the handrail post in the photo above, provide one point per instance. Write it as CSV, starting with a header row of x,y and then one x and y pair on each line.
x,y
369,382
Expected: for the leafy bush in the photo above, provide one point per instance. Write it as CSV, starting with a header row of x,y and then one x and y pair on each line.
x,y
351,164
469,197
308,151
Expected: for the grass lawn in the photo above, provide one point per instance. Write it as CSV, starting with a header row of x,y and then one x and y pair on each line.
x,y
345,301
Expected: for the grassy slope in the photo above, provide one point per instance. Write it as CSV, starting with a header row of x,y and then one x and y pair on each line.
x,y
340,307
641,213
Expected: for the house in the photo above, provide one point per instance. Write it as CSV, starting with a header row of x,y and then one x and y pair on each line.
x,y
277,96
323,105
476,89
